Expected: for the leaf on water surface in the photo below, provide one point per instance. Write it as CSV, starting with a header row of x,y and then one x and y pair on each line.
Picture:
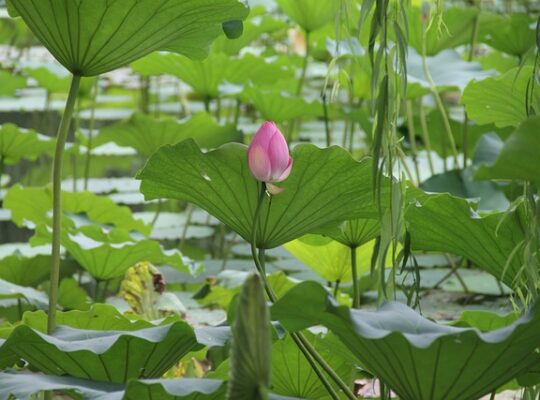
x,y
518,158
419,359
90,37
448,224
146,134
17,144
499,100
326,187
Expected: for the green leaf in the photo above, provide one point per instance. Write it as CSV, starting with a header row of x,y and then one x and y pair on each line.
x,y
10,83
52,82
250,346
34,204
457,30
146,134
11,291
24,265
233,29
205,77
356,232
111,356
460,183
108,255
279,106
518,158
310,14
329,258
326,186
484,320
513,33
500,100
16,144
417,358
72,296
449,224
90,37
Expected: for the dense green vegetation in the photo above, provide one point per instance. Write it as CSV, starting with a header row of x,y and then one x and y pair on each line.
x,y
291,199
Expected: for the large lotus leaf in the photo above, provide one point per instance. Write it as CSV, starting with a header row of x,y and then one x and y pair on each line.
x,y
206,76
34,204
447,69
518,158
10,83
418,358
9,290
108,255
513,33
329,258
310,14
326,186
448,224
250,361
146,134
16,143
90,37
500,100
457,29
112,356
280,106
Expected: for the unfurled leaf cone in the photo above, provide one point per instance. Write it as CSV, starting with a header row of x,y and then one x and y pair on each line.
x,y
268,157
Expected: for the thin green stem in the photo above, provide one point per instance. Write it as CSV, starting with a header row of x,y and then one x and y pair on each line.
x,y
206,101
439,103
312,356
336,287
90,134
189,210
412,138
354,267
2,166
326,123
63,131
425,136
304,66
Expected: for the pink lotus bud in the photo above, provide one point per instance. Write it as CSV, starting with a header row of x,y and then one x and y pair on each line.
x,y
268,156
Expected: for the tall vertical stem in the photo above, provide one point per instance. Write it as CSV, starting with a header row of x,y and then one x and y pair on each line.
x,y
91,134
356,289
61,138
304,67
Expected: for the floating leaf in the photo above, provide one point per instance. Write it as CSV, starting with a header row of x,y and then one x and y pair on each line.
x,y
251,343
518,158
146,134
500,100
417,358
326,186
90,37
449,224
16,143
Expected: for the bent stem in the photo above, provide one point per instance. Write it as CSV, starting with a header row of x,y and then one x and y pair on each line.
x,y
307,349
63,130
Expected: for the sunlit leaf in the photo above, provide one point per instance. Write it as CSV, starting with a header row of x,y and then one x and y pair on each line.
x,y
326,186
419,359
10,83
309,14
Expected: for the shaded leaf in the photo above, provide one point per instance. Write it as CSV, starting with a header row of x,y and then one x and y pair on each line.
x,y
17,143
